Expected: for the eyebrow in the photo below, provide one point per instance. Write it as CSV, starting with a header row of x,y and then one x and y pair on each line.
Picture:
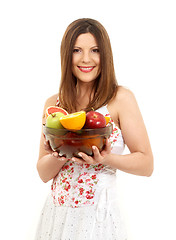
x,y
91,47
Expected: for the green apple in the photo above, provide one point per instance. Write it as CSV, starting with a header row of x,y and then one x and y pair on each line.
x,y
53,120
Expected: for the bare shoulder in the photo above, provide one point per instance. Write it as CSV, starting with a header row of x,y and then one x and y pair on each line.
x,y
124,95
51,101
126,102
119,104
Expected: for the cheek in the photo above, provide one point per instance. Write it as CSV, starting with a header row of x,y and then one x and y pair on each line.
x,y
98,63
74,70
97,60
75,59
74,64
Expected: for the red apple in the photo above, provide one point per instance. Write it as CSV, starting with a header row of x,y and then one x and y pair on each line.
x,y
95,120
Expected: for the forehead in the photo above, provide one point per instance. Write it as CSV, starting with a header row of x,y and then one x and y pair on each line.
x,y
86,39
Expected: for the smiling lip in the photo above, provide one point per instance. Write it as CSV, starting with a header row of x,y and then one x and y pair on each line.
x,y
85,69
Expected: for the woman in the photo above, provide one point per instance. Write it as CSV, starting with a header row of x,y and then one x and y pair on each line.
x,y
83,203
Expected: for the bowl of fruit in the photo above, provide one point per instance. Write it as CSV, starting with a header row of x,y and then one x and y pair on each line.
x,y
69,134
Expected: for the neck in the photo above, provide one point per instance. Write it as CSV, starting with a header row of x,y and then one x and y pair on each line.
x,y
84,89
84,95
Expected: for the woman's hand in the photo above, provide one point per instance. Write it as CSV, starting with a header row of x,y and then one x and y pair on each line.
x,y
97,158
50,151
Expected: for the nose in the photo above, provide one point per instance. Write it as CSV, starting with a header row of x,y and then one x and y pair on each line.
x,y
86,57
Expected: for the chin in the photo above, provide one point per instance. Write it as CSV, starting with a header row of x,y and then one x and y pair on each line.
x,y
86,80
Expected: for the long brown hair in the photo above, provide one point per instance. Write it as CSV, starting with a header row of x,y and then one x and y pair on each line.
x,y
105,85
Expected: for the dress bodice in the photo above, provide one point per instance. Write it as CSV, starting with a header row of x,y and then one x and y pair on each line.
x,y
81,184
116,138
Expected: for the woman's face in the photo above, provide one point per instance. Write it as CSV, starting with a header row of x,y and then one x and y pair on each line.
x,y
86,58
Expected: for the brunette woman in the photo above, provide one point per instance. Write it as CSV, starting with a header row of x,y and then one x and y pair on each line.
x,y
83,203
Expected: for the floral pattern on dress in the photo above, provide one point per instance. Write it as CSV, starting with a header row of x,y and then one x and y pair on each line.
x,y
115,133
62,184
85,188
75,184
70,189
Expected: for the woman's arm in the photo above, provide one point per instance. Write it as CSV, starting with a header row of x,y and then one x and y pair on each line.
x,y
49,163
140,159
137,163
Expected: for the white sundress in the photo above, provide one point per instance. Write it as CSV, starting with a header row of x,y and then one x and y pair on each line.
x,y
83,203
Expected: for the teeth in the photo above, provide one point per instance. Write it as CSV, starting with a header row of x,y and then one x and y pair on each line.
x,y
89,68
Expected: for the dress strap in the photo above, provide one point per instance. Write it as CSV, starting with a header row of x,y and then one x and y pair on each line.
x,y
57,101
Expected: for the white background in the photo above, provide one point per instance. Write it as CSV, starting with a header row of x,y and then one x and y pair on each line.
x,y
143,40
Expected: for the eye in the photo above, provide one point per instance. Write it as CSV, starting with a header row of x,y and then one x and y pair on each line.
x,y
95,50
76,50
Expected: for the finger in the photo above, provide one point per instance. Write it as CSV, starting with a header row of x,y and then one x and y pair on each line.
x,y
46,142
47,146
107,146
96,153
55,154
85,157
74,159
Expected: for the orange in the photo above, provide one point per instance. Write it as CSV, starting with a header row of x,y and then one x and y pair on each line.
x,y
53,109
93,140
74,121
107,119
